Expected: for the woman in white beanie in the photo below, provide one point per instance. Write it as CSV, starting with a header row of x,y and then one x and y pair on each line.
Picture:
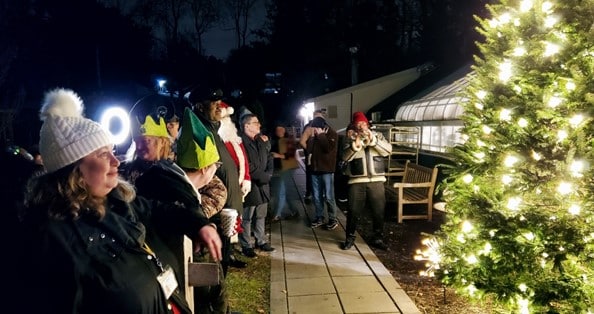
x,y
89,244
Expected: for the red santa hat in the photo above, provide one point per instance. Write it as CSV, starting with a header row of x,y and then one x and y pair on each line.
x,y
226,110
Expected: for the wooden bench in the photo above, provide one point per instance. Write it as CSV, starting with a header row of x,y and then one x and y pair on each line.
x,y
417,187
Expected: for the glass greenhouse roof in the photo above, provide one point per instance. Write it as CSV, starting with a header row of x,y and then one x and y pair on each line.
x,y
441,104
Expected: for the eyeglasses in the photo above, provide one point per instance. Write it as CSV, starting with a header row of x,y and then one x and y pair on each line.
x,y
218,164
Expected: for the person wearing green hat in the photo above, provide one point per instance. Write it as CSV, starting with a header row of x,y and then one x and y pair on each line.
x,y
207,106
158,177
89,243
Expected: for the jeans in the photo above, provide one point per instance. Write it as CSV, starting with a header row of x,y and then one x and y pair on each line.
x,y
323,186
359,194
284,178
257,215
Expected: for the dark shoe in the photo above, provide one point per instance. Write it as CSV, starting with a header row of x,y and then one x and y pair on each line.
x,y
348,244
343,200
379,244
248,251
294,215
331,225
234,262
316,223
265,247
308,198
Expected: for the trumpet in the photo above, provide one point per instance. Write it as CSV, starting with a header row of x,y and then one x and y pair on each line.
x,y
364,136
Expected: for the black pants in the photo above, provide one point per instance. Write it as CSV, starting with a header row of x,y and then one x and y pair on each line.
x,y
361,194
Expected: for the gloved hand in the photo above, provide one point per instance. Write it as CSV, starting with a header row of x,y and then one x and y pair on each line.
x,y
246,187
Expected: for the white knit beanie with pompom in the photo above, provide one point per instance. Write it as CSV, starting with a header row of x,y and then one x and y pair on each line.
x,y
66,136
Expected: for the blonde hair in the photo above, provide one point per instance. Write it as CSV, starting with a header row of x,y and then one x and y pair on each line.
x,y
65,195
164,147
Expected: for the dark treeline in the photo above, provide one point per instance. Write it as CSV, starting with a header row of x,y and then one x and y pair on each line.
x,y
106,53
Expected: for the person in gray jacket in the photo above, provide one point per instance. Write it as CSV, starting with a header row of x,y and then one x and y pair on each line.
x,y
364,151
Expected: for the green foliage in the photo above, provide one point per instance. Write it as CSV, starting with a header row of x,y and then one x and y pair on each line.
x,y
520,209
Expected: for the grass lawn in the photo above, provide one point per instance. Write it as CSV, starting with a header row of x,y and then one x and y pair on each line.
x,y
249,288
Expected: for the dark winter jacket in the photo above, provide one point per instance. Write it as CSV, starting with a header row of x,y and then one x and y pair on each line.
x,y
261,169
165,181
322,150
90,266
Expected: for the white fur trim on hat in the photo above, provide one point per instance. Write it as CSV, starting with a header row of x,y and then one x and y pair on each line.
x,y
66,136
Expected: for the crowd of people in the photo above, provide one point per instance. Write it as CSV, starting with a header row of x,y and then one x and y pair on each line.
x,y
97,233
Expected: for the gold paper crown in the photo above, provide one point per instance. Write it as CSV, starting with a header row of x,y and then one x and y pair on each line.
x,y
150,127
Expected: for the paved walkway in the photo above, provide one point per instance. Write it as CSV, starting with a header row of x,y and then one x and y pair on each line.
x,y
311,274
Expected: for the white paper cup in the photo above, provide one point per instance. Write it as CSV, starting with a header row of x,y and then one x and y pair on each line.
x,y
228,221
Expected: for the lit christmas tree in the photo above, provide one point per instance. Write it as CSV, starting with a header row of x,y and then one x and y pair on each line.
x,y
520,198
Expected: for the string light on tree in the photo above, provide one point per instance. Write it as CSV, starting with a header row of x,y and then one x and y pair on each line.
x,y
520,198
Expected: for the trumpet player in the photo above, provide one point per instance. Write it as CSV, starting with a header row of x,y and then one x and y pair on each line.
x,y
364,151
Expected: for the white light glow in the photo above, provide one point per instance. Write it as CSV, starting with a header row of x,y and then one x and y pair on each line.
x,y
506,179
575,209
576,168
505,71
576,120
505,114
550,21
514,203
510,161
467,226
525,5
551,49
519,51
562,135
487,129
554,101
546,7
564,188
121,115
467,178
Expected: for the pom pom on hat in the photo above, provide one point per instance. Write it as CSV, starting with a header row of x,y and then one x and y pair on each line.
x,y
226,109
359,117
66,136
196,147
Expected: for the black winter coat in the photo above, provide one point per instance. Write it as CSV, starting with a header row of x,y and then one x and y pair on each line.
x,y
261,169
87,266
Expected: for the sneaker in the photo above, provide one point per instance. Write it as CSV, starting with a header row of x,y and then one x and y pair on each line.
x,y
343,200
379,244
266,247
276,218
331,225
248,251
348,244
318,222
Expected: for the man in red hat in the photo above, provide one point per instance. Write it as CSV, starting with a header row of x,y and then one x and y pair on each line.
x,y
366,178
